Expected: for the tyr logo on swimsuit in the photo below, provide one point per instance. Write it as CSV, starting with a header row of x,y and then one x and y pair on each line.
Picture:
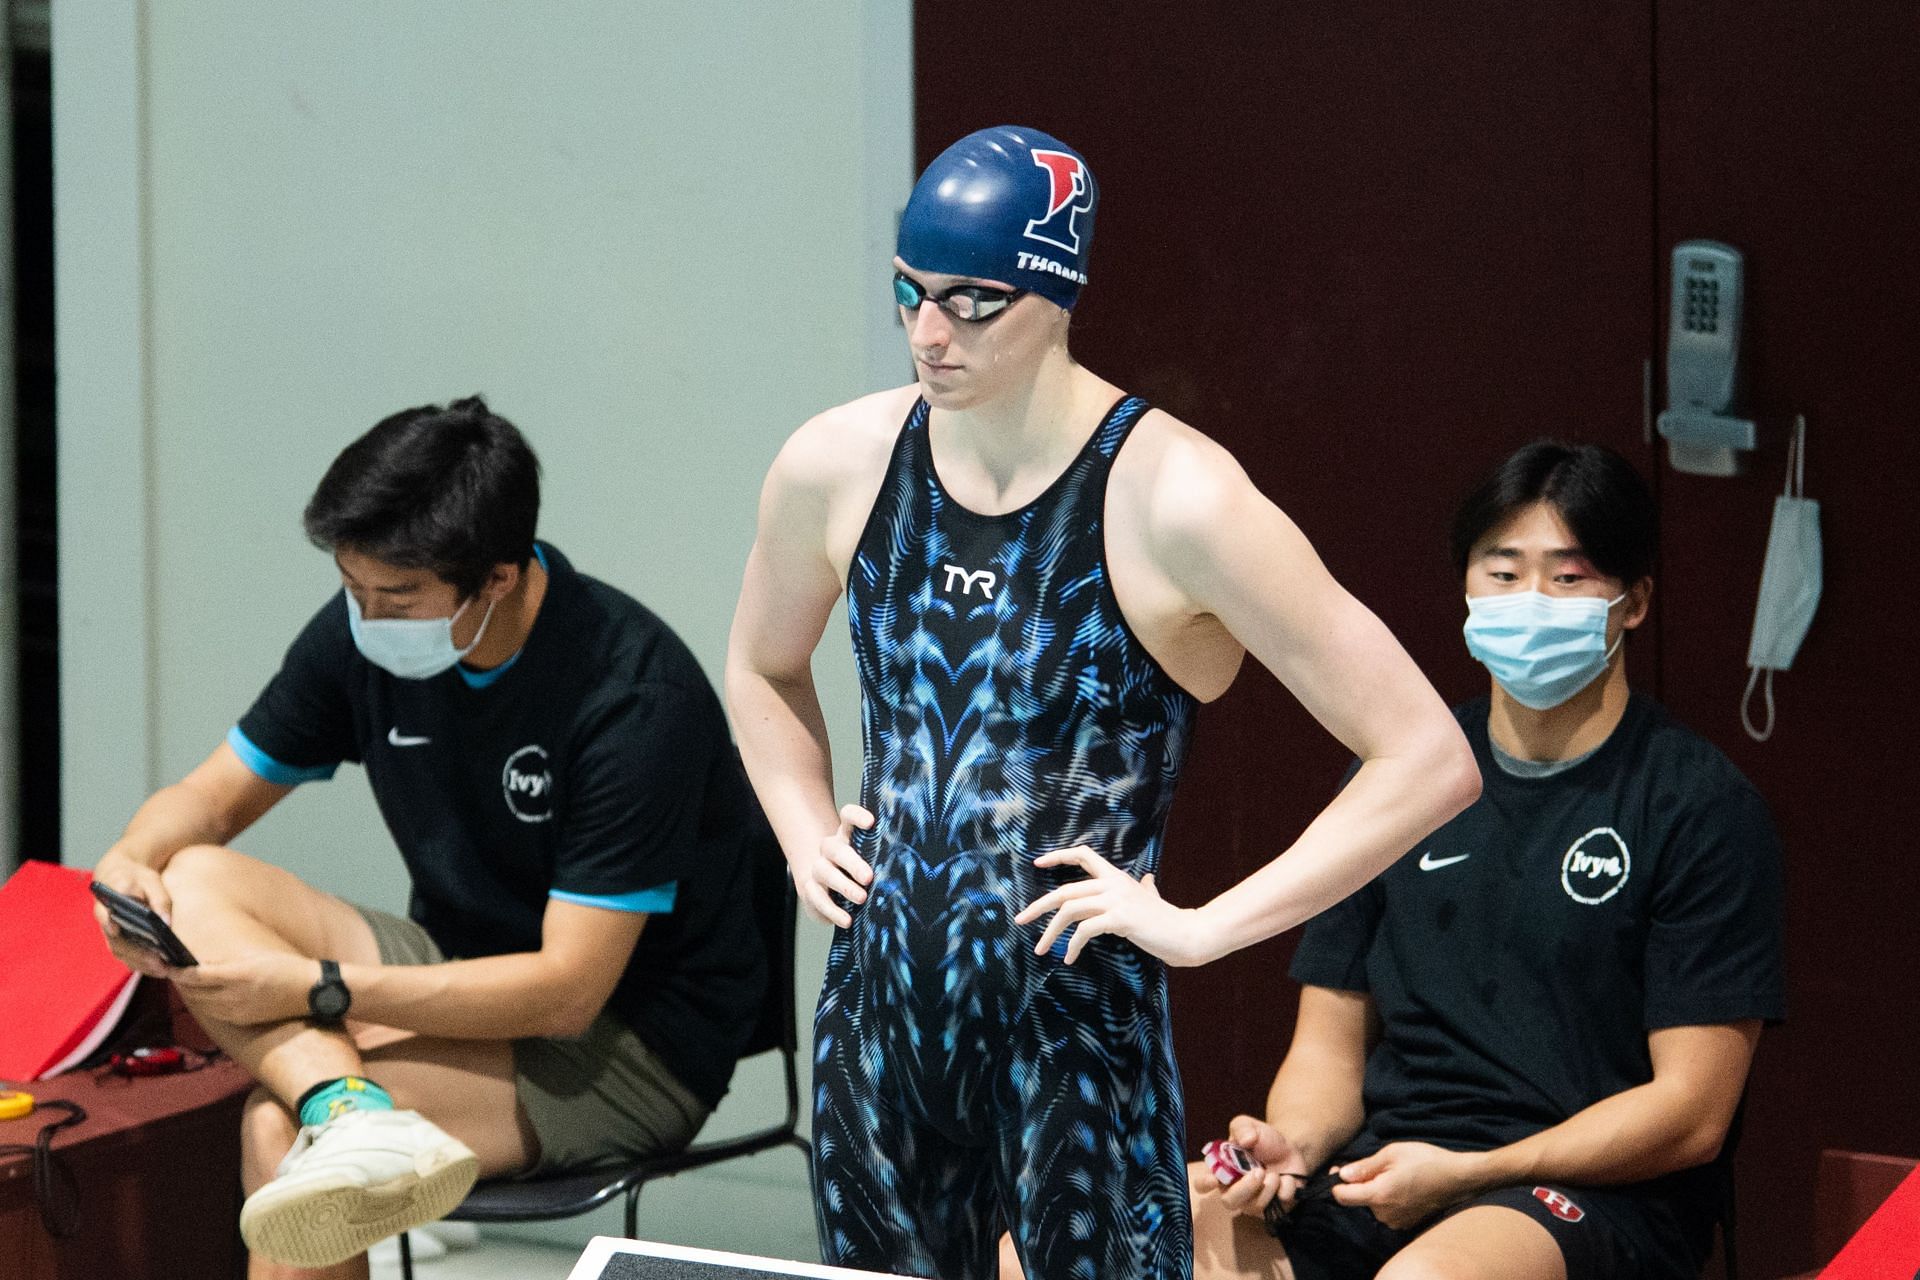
x,y
527,783
969,579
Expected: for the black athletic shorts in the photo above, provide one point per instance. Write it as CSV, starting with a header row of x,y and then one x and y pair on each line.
x,y
1603,1235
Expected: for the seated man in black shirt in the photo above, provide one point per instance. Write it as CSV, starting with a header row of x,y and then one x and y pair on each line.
x,y
581,966
1522,1047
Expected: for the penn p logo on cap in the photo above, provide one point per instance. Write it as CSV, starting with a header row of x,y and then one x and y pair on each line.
x,y
1069,196
1007,204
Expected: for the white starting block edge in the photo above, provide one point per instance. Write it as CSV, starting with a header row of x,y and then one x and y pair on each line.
x,y
602,1248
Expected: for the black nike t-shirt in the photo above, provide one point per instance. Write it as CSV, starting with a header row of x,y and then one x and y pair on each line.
x,y
1520,955
594,767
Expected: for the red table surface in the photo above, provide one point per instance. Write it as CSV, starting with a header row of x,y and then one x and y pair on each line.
x,y
156,1169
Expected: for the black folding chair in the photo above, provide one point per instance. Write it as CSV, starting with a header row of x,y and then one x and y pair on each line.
x,y
568,1194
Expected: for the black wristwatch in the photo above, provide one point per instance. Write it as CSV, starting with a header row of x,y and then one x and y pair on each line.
x,y
329,999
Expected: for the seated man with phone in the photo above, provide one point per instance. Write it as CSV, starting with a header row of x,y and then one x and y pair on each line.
x,y
1519,1051
580,966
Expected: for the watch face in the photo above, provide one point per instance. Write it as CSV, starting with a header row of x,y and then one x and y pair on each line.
x,y
329,1002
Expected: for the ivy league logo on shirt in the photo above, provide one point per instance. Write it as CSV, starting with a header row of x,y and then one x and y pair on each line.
x,y
528,784
1596,867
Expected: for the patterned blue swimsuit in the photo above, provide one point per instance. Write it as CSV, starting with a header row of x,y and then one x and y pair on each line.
x,y
962,1083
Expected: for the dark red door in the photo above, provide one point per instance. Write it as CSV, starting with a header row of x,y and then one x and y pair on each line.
x,y
1368,248
1371,248
1789,131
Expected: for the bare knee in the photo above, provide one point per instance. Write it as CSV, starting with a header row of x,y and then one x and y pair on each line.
x,y
1233,1246
267,1130
1413,1264
201,872
1481,1242
1426,1259
1212,1220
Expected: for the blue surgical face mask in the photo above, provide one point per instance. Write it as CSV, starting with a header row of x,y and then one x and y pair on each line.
x,y
411,648
1541,649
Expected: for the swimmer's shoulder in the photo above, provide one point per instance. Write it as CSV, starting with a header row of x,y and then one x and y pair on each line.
x,y
844,450
1170,476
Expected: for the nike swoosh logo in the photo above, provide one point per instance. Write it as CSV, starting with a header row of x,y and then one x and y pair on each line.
x,y
395,737
1430,863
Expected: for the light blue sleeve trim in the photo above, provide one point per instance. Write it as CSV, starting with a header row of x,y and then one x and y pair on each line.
x,y
655,901
280,775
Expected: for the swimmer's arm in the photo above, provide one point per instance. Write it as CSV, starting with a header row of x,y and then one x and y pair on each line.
x,y
1675,1121
1239,559
785,600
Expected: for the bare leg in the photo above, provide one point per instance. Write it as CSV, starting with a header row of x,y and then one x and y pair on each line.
x,y
1010,1260
227,905
1226,1246
267,1129
1232,1246
464,1086
1486,1242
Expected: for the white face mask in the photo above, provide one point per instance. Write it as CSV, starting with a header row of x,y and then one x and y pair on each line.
x,y
1789,584
411,648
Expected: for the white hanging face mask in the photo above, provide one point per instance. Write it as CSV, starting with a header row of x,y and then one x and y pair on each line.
x,y
411,648
1789,584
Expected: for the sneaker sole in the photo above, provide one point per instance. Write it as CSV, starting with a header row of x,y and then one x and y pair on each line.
x,y
318,1224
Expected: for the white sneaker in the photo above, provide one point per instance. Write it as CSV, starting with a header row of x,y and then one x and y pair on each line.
x,y
360,1177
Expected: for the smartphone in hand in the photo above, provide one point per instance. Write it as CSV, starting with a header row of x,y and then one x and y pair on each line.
x,y
141,923
1229,1161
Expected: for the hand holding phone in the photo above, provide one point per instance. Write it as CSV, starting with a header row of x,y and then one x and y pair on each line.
x,y
1262,1188
1229,1161
141,924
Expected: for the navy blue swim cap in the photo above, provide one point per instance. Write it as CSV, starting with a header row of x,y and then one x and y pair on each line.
x,y
1005,203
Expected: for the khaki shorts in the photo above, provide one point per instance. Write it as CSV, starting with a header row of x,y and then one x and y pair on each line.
x,y
601,1098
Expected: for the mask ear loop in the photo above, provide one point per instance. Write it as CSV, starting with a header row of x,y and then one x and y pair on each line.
x,y
1746,703
1795,487
479,635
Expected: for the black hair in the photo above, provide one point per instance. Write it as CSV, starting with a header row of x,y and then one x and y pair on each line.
x,y
1598,493
454,490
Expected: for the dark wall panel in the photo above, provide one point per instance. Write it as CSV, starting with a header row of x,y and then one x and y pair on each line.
x,y
1787,130
1369,248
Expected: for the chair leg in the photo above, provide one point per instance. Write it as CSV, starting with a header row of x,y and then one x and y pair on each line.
x,y
633,1211
406,1257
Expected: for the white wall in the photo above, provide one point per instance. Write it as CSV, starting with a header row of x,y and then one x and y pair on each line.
x,y
654,235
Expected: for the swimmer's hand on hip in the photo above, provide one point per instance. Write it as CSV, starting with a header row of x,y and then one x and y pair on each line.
x,y
834,868
1111,901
